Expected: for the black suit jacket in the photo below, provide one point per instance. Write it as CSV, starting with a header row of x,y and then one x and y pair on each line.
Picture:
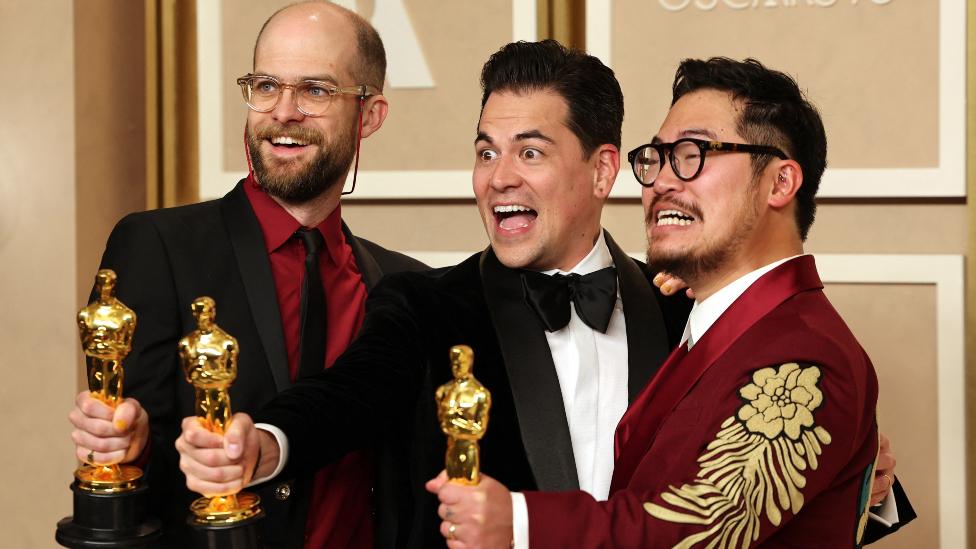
x,y
380,393
167,258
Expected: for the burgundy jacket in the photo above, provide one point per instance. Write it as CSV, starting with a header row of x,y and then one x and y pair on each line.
x,y
764,433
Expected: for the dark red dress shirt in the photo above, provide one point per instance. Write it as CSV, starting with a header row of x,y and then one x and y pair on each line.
x,y
340,513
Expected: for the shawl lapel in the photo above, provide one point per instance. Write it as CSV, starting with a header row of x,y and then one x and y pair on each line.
x,y
639,425
255,269
647,338
532,375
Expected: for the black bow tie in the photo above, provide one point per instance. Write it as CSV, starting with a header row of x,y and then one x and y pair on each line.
x,y
594,296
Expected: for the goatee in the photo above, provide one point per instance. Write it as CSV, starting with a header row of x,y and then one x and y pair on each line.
x,y
292,182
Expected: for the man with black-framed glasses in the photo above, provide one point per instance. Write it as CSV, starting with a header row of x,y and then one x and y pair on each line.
x,y
289,278
760,428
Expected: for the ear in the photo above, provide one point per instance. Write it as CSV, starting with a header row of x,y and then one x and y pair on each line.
x,y
374,113
606,165
787,180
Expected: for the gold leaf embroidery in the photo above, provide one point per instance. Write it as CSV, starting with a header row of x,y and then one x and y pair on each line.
x,y
756,464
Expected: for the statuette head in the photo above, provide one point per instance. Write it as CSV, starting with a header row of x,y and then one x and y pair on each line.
x,y
204,310
461,359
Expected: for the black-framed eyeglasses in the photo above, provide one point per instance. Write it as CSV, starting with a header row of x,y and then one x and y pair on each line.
x,y
312,97
686,156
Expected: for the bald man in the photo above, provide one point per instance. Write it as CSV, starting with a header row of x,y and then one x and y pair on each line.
x,y
314,91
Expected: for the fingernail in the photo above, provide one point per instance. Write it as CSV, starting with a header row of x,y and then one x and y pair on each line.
x,y
658,278
121,425
233,448
666,287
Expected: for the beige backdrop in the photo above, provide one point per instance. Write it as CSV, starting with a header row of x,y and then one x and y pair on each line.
x,y
851,58
37,254
74,164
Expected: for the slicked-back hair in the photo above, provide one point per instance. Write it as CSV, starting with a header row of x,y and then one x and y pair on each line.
x,y
591,91
774,112
370,67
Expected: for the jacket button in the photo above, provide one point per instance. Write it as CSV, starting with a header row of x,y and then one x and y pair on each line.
x,y
282,491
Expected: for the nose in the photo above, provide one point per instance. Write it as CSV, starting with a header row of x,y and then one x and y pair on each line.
x,y
505,174
287,108
666,181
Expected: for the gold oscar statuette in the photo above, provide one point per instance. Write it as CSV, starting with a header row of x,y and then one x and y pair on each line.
x,y
106,326
209,357
462,408
110,501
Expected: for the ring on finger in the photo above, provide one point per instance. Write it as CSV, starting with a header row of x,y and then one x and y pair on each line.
x,y
91,457
450,531
890,482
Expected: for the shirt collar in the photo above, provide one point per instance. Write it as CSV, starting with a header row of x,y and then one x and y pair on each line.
x,y
598,258
278,226
705,313
331,229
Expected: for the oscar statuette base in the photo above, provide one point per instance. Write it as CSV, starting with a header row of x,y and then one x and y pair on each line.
x,y
109,520
229,522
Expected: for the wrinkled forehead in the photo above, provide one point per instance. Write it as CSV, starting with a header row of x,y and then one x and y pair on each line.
x,y
512,115
705,114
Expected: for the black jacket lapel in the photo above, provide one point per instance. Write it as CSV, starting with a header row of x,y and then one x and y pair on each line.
x,y
532,374
252,261
647,340
369,269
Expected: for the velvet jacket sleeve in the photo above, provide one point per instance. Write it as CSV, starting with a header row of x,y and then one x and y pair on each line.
x,y
357,401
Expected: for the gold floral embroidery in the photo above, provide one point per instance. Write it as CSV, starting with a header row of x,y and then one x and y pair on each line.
x,y
755,464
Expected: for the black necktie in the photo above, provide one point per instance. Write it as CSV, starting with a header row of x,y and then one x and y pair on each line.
x,y
594,296
312,339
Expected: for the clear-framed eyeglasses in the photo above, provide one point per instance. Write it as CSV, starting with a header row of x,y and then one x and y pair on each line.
x,y
312,97
686,156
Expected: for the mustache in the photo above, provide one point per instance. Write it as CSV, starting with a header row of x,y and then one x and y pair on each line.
x,y
676,204
299,133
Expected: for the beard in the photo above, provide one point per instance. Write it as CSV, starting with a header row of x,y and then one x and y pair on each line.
x,y
693,263
291,181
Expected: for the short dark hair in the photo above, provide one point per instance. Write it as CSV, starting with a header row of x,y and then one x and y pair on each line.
x,y
775,112
591,91
371,64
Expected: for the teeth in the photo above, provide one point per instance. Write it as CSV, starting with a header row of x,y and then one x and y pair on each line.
x,y
674,217
284,140
511,208
672,213
673,221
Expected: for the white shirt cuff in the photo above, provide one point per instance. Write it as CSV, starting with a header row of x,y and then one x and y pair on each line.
x,y
887,511
282,452
520,521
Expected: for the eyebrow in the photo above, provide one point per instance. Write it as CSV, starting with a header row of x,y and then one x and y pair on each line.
x,y
699,132
690,132
320,77
533,134
523,136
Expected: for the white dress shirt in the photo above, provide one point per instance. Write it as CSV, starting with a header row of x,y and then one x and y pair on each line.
x,y
593,372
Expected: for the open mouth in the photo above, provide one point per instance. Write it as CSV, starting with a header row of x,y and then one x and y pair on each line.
x,y
511,217
674,217
287,142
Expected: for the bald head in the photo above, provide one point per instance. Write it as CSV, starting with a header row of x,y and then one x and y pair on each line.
x,y
368,65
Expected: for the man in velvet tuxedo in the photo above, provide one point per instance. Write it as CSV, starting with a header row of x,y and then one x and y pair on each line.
x,y
240,250
545,158
760,427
